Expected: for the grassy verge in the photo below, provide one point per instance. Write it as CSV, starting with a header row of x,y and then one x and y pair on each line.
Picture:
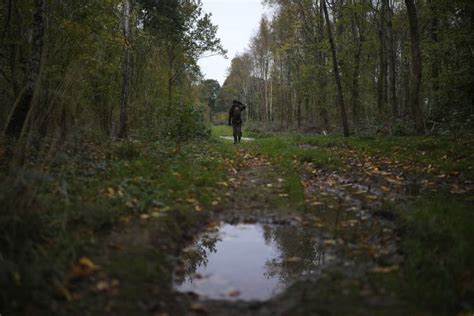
x,y
437,228
50,216
437,243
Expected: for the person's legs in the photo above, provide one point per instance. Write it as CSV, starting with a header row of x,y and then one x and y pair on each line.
x,y
235,132
239,133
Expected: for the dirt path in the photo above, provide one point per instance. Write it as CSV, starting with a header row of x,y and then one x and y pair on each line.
x,y
363,247
138,259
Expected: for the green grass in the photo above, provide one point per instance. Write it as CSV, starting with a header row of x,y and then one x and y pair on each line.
x,y
443,154
437,243
438,229
48,219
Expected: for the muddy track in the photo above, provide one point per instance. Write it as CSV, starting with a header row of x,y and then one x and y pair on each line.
x,y
362,244
361,249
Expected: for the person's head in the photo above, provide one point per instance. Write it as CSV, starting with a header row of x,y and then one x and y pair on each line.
x,y
236,103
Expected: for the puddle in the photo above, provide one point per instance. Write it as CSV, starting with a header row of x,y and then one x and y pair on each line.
x,y
250,261
245,139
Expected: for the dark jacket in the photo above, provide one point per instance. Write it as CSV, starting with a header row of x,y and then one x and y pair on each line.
x,y
234,120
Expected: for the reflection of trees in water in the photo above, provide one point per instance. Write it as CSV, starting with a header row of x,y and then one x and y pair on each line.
x,y
196,255
301,252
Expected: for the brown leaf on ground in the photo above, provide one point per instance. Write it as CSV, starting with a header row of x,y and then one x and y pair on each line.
x,y
293,259
110,286
388,269
198,308
233,293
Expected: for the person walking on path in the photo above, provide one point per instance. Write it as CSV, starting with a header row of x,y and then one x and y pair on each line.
x,y
235,119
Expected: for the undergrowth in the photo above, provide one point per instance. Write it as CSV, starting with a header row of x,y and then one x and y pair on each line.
x,y
50,212
439,257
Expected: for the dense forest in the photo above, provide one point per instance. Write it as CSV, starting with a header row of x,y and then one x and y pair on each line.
x,y
360,67
351,66
110,68
351,192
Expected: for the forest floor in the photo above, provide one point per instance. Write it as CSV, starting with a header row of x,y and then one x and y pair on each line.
x,y
379,226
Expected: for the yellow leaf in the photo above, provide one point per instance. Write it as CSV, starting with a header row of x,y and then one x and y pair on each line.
x,y
83,268
88,263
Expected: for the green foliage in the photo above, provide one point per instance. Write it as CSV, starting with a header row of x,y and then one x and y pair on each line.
x,y
186,123
127,149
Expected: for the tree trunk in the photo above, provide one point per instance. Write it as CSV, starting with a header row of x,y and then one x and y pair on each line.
x,y
392,59
356,34
339,95
21,109
435,57
382,99
416,67
123,128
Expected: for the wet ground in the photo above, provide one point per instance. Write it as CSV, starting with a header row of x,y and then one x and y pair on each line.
x,y
250,261
255,254
258,256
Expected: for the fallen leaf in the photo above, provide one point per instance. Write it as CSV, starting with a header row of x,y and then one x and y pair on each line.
x,y
385,269
329,242
107,285
191,200
233,293
293,259
83,268
198,307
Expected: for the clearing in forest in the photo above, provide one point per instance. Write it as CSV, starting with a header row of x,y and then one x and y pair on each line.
x,y
283,225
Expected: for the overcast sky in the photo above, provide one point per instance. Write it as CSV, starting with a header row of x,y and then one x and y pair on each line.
x,y
237,21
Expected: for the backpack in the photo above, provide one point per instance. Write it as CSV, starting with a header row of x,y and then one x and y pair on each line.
x,y
237,115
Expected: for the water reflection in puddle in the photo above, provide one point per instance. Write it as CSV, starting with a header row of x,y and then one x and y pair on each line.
x,y
249,261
